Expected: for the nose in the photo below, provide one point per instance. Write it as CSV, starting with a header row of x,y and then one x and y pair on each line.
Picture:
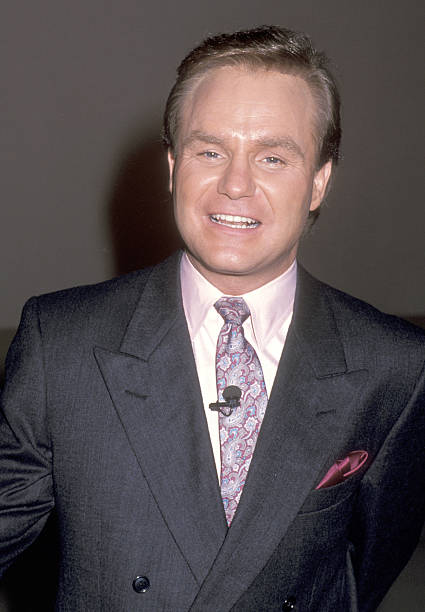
x,y
236,180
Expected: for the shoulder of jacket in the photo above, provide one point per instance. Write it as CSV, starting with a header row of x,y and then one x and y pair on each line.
x,y
356,318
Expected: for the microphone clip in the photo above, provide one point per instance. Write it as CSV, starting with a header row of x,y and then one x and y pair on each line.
x,y
232,399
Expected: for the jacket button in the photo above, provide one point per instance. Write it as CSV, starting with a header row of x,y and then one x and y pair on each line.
x,y
141,584
289,604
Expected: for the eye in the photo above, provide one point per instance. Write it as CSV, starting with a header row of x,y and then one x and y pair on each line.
x,y
210,155
271,160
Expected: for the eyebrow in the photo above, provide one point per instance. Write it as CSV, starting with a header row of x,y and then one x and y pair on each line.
x,y
285,142
198,136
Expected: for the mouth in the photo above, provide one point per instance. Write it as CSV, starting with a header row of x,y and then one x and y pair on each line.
x,y
234,221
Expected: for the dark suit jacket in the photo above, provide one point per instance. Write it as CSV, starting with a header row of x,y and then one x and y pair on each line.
x,y
103,419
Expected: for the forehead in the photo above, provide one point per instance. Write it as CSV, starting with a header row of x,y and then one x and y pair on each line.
x,y
239,100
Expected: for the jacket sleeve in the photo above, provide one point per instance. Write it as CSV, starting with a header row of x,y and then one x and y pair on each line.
x,y
26,492
391,505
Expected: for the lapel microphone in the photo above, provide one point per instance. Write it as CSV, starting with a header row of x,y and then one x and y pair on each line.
x,y
232,399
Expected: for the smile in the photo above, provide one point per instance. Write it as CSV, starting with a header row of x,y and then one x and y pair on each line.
x,y
235,221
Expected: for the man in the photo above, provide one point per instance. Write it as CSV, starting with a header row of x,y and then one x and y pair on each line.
x,y
303,487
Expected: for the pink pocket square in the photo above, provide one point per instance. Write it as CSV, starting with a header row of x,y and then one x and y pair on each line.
x,y
343,468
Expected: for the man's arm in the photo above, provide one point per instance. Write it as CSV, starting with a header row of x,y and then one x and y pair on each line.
x,y
26,492
391,505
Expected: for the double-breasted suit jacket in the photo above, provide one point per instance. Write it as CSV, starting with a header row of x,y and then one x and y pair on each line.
x,y
103,421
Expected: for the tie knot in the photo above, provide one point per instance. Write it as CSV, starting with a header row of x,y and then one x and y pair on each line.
x,y
233,309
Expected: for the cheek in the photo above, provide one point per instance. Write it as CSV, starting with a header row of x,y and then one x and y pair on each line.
x,y
187,206
289,202
193,191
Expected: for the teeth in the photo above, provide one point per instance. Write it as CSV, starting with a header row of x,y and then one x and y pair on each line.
x,y
234,221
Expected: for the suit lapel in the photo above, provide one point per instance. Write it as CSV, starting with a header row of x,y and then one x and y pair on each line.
x,y
153,384
312,397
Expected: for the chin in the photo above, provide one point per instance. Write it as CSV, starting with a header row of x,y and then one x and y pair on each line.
x,y
227,264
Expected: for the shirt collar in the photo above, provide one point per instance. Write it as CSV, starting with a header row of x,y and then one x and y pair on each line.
x,y
270,305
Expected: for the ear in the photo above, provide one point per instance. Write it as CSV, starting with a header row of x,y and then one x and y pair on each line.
x,y
320,183
171,162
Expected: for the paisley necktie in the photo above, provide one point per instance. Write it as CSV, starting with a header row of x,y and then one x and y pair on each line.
x,y
237,364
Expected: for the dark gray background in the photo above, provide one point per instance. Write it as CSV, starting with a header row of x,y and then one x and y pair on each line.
x,y
83,87
83,177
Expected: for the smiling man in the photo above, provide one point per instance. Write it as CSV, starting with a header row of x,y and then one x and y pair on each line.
x,y
222,431
245,174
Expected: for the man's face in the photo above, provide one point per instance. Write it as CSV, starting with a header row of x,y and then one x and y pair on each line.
x,y
243,177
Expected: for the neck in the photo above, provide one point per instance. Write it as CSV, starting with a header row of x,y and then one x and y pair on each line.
x,y
237,284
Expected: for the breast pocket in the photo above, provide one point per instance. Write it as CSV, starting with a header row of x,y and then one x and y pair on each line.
x,y
329,497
